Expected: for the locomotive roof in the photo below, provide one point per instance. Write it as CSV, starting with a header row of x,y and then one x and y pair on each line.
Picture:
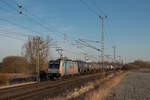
x,y
60,59
80,61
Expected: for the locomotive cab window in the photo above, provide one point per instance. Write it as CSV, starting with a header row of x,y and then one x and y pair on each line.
x,y
54,66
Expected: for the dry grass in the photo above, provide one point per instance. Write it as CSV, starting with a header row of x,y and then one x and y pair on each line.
x,y
3,79
57,98
78,91
75,93
15,75
106,88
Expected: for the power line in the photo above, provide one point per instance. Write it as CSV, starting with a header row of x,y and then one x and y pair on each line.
x,y
25,15
89,8
95,5
17,33
6,10
8,4
110,37
24,27
108,28
36,19
94,41
37,22
4,35
72,52
13,23
29,17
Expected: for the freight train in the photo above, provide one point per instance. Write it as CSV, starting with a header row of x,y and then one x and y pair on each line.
x,y
62,67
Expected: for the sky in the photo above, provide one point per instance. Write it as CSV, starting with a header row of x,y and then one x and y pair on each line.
x,y
127,26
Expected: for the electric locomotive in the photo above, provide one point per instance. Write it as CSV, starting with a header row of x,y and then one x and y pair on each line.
x,y
61,67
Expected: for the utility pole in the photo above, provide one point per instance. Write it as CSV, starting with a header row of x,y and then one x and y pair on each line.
x,y
114,51
38,59
85,57
119,60
102,40
38,64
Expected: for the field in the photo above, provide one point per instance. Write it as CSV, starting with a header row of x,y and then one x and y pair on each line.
x,y
135,86
10,78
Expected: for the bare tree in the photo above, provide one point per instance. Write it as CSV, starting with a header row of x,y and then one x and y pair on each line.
x,y
37,49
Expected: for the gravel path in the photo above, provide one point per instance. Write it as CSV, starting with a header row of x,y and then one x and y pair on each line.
x,y
135,86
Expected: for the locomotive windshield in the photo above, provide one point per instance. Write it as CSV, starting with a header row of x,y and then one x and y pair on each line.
x,y
54,65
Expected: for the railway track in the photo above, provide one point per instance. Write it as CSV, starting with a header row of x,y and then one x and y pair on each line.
x,y
7,93
38,91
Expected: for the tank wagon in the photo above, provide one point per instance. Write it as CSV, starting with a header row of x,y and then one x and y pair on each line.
x,y
61,67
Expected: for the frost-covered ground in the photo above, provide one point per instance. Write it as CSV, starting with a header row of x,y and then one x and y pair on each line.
x,y
135,86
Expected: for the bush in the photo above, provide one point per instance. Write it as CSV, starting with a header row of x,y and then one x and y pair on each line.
x,y
15,64
3,79
138,64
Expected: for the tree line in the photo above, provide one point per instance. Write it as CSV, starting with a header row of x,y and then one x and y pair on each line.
x,y
35,49
137,64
